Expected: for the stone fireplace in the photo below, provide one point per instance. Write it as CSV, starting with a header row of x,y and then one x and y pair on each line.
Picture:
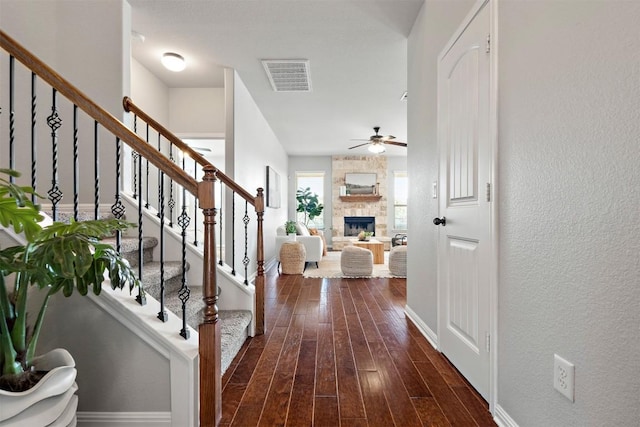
x,y
353,225
343,207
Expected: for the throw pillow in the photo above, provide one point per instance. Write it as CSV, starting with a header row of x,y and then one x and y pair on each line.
x,y
314,232
301,229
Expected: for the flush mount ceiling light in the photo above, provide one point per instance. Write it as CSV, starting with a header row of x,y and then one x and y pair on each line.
x,y
173,61
377,148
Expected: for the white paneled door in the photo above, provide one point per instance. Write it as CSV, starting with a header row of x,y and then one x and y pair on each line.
x,y
464,245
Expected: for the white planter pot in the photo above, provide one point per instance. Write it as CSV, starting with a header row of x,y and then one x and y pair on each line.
x,y
51,402
292,236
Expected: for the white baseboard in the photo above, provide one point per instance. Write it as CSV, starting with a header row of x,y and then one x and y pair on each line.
x,y
120,419
425,330
503,419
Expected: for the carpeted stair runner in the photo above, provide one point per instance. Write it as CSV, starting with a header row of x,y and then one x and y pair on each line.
x,y
233,323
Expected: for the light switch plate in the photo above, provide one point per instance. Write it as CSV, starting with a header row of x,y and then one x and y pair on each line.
x,y
434,190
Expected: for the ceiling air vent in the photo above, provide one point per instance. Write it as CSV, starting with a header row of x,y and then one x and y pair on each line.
x,y
288,75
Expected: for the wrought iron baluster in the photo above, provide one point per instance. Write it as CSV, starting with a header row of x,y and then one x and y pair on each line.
x,y
195,206
245,260
141,298
54,122
135,157
118,209
33,135
76,165
12,117
162,314
171,203
96,165
146,204
160,176
183,222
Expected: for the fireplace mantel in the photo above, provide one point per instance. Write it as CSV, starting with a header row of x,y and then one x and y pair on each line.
x,y
361,198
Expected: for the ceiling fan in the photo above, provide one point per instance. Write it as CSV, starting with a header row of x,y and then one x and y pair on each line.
x,y
377,142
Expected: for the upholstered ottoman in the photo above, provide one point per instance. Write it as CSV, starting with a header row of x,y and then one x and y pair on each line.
x,y
356,261
292,257
398,261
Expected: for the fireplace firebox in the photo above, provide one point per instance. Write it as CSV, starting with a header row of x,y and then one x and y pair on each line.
x,y
355,224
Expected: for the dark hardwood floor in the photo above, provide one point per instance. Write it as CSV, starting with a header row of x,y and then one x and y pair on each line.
x,y
341,352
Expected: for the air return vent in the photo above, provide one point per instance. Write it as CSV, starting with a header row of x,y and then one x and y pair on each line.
x,y
288,75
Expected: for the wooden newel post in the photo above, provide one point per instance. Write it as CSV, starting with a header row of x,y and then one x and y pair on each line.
x,y
209,331
259,283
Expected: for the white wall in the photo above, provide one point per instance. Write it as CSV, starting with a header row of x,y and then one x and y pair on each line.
x,y
184,111
569,230
117,370
149,93
255,147
196,111
569,210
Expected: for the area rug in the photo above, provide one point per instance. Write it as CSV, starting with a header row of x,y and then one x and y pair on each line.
x,y
329,267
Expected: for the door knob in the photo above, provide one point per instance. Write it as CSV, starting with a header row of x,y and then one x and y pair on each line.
x,y
438,221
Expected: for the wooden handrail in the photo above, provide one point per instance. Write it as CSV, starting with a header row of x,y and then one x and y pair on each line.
x,y
106,119
130,106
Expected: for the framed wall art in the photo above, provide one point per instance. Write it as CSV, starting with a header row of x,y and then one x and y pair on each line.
x,y
360,183
273,195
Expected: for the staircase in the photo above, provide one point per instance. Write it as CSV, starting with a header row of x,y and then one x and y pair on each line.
x,y
145,168
234,324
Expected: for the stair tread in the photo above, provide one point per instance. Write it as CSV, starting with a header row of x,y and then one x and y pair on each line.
x,y
130,244
151,271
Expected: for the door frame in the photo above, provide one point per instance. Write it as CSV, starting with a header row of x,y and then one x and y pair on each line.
x,y
494,232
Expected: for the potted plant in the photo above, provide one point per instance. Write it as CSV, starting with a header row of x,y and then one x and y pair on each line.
x,y
57,258
308,204
290,228
365,235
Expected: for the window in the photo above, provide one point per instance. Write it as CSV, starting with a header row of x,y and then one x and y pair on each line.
x,y
315,181
400,195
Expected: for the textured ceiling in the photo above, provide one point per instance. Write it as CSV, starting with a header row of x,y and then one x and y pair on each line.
x,y
357,53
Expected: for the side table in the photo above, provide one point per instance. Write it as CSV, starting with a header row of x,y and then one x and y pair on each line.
x,y
292,257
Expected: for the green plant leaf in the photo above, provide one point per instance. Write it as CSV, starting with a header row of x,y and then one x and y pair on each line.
x,y
20,218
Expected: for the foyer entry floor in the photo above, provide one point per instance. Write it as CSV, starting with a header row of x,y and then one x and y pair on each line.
x,y
341,352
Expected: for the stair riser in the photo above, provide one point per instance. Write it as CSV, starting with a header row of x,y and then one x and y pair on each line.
x,y
133,257
171,286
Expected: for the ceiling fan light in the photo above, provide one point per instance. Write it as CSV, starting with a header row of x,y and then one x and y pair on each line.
x,y
377,148
173,61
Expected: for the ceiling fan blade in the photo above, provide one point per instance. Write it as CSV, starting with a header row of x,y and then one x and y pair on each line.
x,y
359,145
201,149
360,139
398,143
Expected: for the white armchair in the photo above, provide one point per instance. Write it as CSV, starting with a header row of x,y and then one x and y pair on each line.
x,y
313,245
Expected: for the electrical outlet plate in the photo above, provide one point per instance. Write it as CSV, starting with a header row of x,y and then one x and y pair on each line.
x,y
563,377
